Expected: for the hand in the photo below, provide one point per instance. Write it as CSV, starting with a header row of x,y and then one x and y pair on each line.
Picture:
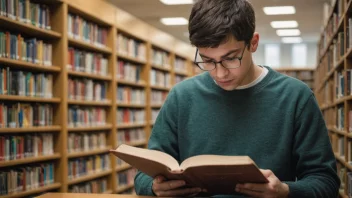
x,y
275,188
163,188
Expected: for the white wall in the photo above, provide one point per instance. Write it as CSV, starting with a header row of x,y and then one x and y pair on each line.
x,y
286,55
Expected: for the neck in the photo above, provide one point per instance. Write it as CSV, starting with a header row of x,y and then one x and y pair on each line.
x,y
253,73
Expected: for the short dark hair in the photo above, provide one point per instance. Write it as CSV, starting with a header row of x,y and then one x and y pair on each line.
x,y
212,22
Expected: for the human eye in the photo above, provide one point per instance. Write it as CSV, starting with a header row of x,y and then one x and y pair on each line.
x,y
230,58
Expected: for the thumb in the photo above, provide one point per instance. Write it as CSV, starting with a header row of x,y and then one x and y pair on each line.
x,y
267,173
159,179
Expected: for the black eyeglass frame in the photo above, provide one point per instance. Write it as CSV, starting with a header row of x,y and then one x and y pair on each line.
x,y
216,63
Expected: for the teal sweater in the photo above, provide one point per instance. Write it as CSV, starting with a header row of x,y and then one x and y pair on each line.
x,y
277,123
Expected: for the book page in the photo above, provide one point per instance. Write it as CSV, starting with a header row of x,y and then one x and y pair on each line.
x,y
208,160
136,155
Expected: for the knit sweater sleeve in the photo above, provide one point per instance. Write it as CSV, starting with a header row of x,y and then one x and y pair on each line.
x,y
313,156
163,138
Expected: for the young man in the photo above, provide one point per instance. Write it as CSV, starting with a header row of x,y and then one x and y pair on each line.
x,y
240,108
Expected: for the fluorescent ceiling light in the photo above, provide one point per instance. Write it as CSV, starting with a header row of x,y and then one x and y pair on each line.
x,y
288,32
284,24
276,10
291,39
174,21
176,2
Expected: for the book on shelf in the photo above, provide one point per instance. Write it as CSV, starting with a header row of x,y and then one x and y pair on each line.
x,y
33,50
87,89
129,116
130,47
21,115
126,136
159,78
155,113
84,166
94,186
20,179
86,31
180,65
158,97
160,58
82,142
88,62
129,95
128,71
126,177
86,116
179,78
217,174
24,83
14,147
27,12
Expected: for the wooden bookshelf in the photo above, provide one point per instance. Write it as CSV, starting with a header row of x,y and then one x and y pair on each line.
x,y
128,126
88,153
84,45
87,75
31,129
332,86
160,88
131,59
138,143
89,103
29,99
133,84
93,128
156,105
89,177
131,105
158,67
28,29
124,188
29,160
34,191
123,167
116,22
27,65
306,75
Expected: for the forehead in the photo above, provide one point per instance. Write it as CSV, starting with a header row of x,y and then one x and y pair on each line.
x,y
219,51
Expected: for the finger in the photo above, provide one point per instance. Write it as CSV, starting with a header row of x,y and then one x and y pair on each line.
x,y
168,185
250,192
180,192
253,187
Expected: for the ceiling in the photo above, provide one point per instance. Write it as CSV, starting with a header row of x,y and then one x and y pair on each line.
x,y
309,14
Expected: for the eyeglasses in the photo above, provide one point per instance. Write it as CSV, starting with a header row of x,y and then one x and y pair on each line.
x,y
229,63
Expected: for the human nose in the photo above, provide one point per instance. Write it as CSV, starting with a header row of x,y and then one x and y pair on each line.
x,y
221,71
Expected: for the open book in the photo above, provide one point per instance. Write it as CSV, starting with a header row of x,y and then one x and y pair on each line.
x,y
218,174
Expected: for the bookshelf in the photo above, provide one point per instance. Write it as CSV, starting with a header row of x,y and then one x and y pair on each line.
x,y
91,63
333,86
306,75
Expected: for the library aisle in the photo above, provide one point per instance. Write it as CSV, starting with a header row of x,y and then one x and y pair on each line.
x,y
74,85
80,77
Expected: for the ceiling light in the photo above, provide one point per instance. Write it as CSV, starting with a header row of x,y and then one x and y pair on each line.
x,y
174,21
288,32
176,2
276,10
284,24
291,39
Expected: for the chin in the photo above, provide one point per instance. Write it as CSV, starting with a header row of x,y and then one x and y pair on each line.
x,y
229,88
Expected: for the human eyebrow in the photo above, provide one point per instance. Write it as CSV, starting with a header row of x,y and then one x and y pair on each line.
x,y
206,57
223,56
229,53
